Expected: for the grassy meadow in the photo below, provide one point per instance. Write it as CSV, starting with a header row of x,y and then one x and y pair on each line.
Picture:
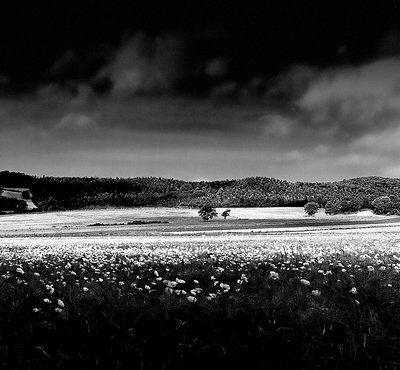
x,y
299,299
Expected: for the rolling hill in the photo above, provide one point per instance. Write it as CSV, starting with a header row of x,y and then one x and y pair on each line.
x,y
52,193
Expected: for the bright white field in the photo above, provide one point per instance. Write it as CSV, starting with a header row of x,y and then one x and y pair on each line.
x,y
84,217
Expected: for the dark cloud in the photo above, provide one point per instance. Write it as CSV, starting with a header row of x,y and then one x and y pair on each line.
x,y
146,64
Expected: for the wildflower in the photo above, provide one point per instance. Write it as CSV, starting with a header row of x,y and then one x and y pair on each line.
x,y
147,287
305,282
156,273
20,271
68,266
36,309
353,290
225,287
357,302
370,268
36,274
58,310
46,300
192,299
274,275
121,283
180,281
61,303
320,271
316,293
389,285
85,289
195,281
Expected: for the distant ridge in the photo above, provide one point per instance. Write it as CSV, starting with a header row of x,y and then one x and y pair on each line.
x,y
51,193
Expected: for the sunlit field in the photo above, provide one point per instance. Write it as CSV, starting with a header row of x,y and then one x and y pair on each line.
x,y
316,298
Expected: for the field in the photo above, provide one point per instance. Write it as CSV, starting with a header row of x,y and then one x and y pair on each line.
x,y
263,288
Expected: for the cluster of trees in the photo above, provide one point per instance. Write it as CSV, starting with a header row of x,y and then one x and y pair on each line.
x,y
12,205
58,193
382,205
208,212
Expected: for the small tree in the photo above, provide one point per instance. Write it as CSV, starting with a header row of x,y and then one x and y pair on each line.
x,y
382,205
332,207
225,214
207,212
311,208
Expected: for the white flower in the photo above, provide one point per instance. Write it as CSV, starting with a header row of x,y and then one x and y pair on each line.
x,y
36,309
353,290
58,310
196,281
46,300
147,287
180,281
305,282
85,289
225,286
370,268
170,284
68,266
192,299
316,292
20,271
274,275
61,303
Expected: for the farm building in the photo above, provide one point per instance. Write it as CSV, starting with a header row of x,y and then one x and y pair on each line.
x,y
23,194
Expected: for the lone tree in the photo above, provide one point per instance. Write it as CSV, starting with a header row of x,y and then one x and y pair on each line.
x,y
225,214
311,208
207,212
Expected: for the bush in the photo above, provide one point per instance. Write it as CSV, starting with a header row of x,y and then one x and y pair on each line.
x,y
311,208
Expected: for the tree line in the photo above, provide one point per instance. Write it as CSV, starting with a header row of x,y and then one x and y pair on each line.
x,y
67,193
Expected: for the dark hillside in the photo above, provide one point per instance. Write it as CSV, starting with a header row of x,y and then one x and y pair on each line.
x,y
52,193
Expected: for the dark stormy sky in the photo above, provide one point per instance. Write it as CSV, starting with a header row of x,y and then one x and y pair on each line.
x,y
298,90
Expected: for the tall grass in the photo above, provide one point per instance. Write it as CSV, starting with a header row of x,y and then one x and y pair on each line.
x,y
289,310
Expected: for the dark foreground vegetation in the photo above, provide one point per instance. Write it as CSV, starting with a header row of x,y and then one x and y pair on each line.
x,y
54,193
287,312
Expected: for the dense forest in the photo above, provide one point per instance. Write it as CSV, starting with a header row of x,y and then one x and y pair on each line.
x,y
58,193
